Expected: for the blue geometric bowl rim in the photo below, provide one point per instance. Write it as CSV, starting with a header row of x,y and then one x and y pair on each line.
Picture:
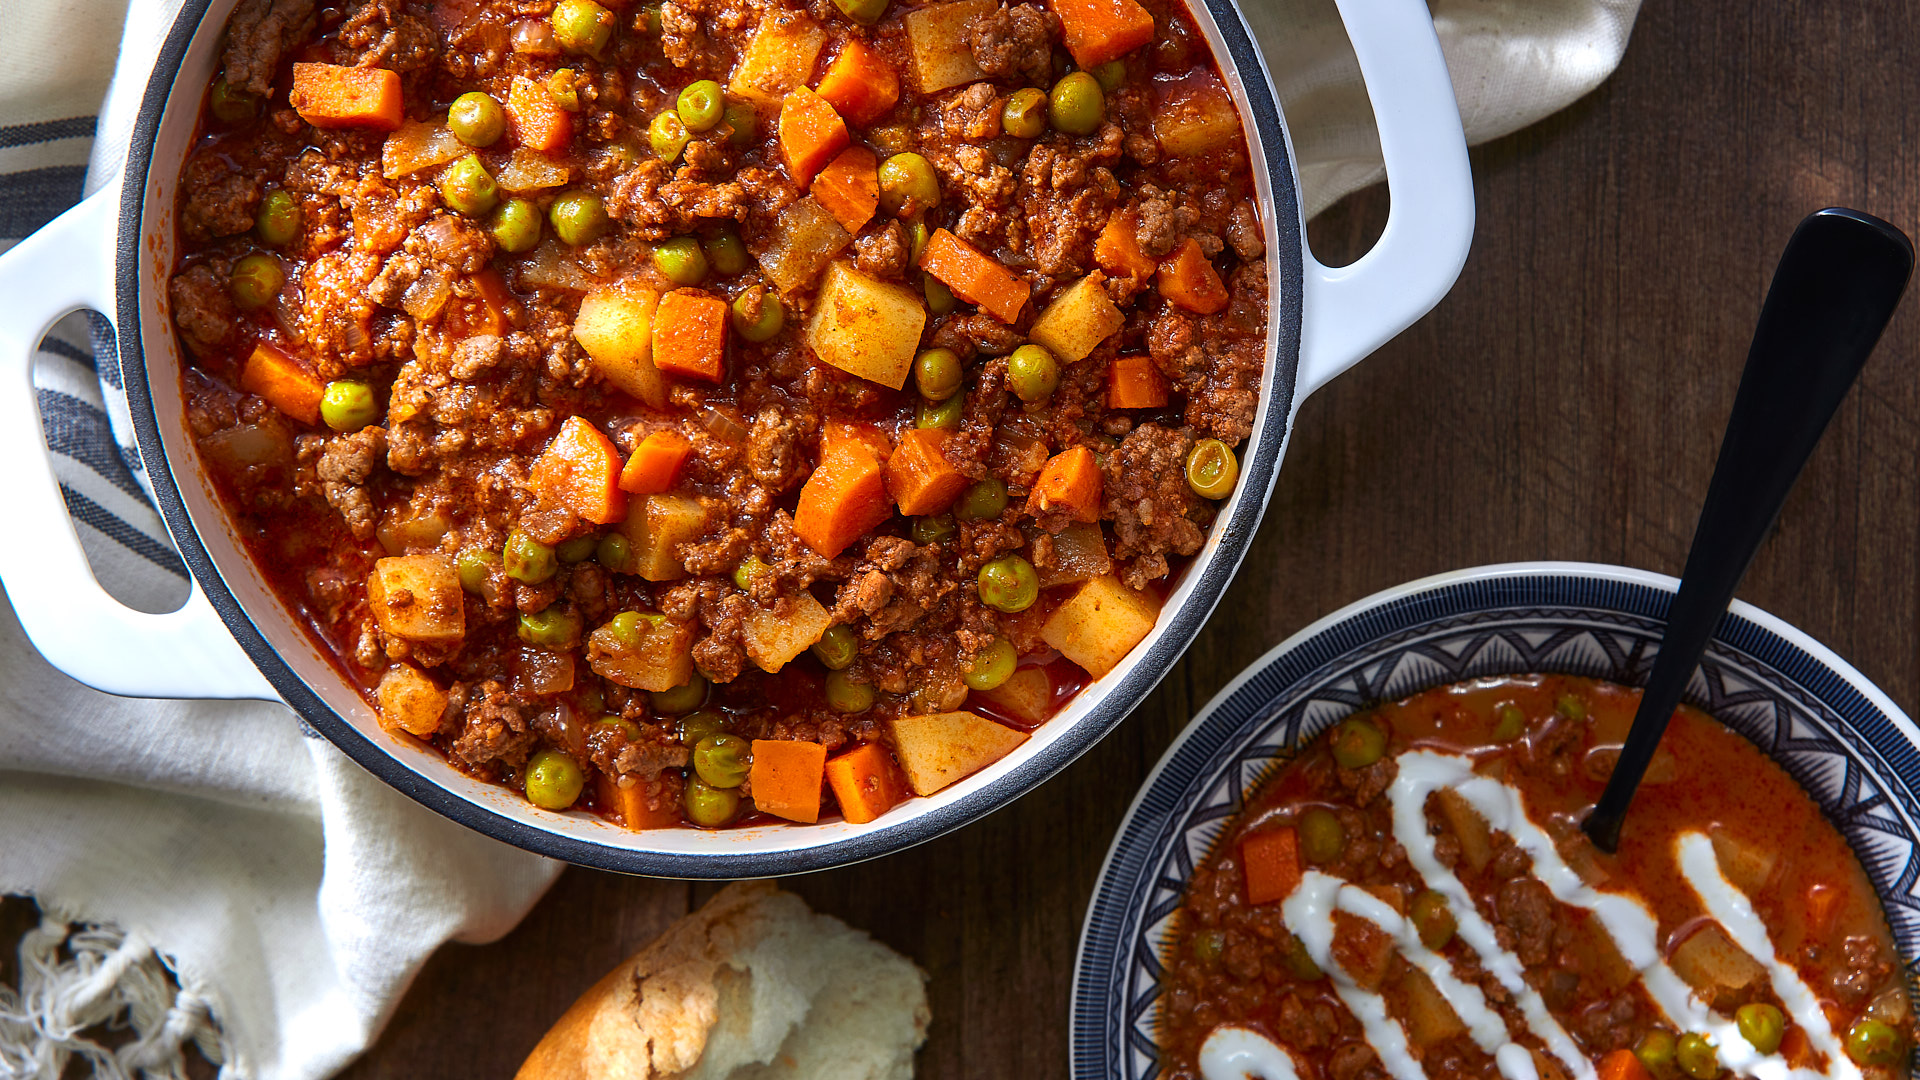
x,y
1181,770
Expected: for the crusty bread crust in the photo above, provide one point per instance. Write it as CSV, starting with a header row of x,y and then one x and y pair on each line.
x,y
653,1015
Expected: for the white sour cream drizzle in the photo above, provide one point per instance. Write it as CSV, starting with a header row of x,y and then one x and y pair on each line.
x,y
1234,1053
1308,913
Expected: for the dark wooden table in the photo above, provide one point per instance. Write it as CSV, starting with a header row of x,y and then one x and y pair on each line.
x,y
1564,402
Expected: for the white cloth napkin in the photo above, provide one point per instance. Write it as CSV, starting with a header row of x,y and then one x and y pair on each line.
x,y
291,895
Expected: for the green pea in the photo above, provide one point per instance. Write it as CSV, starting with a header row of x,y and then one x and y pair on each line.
x,y
1762,1025
917,237
680,260
650,19
702,105
1024,116
255,281
1571,707
940,414
934,529
468,188
564,90
757,324
864,12
474,564
553,780
1032,373
278,219
1300,961
614,553
749,571
1111,75
908,185
516,226
696,726
1322,838
723,760
1872,1042
668,136
682,699
346,405
1433,920
710,807
625,727
579,218
937,374
1697,1056
742,121
476,119
845,695
627,628
582,26
1212,470
1076,106
1508,723
984,500
837,647
726,254
527,560
1209,946
577,550
992,666
940,299
1358,742
1009,584
232,106
1660,1053
553,628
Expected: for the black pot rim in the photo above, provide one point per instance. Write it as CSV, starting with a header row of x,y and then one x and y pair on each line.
x,y
1144,671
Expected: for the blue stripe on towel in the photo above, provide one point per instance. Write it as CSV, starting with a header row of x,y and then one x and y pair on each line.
x,y
76,127
92,513
81,432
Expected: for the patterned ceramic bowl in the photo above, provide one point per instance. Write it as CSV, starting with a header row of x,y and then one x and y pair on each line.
x,y
1837,734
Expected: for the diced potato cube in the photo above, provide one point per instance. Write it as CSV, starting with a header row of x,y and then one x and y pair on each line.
x,y
1713,965
658,524
418,598
1476,840
409,701
772,639
1078,320
615,327
661,659
1101,624
1079,554
1429,1019
937,749
865,326
779,58
1195,117
1362,949
1748,865
1026,696
937,43
806,237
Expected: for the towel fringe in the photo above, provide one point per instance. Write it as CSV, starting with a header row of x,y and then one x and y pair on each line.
x,y
76,977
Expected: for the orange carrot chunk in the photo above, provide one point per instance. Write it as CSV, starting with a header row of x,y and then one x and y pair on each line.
x,y
865,783
1097,31
974,277
1271,860
655,465
632,805
580,470
1622,1065
331,96
860,84
1134,383
1118,250
536,120
847,494
690,334
1188,279
849,187
786,778
919,477
1069,484
811,134
283,382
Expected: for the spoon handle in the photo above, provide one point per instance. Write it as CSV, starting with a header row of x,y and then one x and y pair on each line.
x,y
1841,276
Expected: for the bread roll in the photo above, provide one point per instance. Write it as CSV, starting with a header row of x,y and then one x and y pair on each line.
x,y
753,984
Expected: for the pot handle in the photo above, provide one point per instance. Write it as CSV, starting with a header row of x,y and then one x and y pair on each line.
x,y
1352,310
68,266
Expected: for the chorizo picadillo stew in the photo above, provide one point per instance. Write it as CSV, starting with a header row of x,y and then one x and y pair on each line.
x,y
1412,896
721,411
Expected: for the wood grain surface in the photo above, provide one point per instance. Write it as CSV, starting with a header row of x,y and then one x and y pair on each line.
x,y
1564,402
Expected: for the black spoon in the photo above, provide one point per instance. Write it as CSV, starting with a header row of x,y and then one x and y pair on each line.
x,y
1838,282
